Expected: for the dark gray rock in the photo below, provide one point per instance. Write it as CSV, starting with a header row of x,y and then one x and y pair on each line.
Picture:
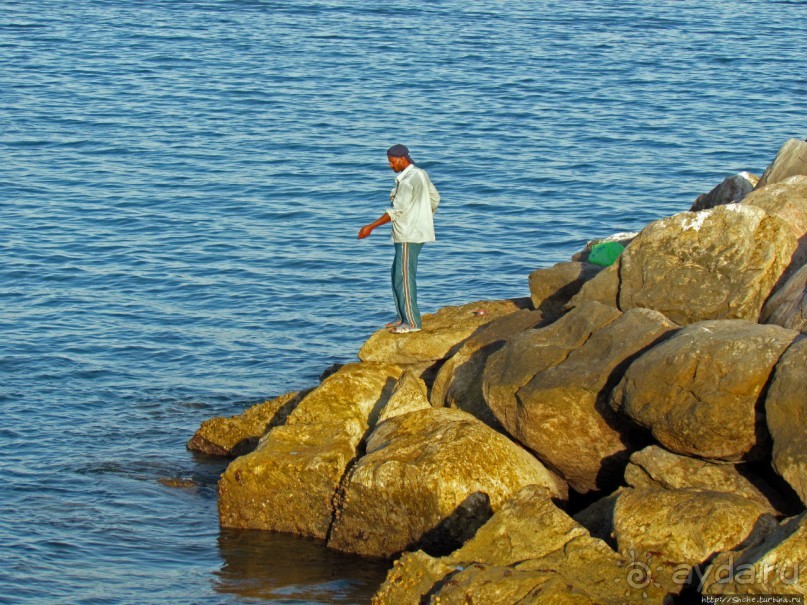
x,y
732,189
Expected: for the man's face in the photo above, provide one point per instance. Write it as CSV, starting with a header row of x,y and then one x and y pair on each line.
x,y
397,164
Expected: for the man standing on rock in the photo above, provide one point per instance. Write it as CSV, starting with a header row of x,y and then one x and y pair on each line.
x,y
414,202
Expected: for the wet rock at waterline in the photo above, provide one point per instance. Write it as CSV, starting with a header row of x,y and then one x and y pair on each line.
x,y
238,435
288,483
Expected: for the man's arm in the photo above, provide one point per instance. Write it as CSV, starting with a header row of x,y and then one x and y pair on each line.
x,y
368,229
434,197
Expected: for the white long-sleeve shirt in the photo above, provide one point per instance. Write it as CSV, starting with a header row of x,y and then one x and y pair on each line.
x,y
414,202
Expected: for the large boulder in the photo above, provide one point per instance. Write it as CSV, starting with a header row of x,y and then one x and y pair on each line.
x,y
459,382
788,201
552,287
532,351
721,263
772,567
238,435
429,479
656,467
529,552
786,415
732,189
288,483
698,391
549,389
788,306
686,526
423,352
789,161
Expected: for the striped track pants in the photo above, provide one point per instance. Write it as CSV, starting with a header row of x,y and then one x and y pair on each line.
x,y
404,287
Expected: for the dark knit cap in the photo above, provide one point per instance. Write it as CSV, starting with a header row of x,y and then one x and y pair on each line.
x,y
399,151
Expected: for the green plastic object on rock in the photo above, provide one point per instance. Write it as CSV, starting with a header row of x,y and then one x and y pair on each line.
x,y
605,254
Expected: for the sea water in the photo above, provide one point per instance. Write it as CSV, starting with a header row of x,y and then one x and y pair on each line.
x,y
181,185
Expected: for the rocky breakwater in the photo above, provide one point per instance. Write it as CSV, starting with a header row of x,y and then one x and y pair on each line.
x,y
634,433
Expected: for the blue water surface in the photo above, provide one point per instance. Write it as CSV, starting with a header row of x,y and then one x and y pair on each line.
x,y
181,184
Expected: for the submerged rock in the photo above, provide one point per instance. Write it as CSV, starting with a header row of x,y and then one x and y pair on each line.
x,y
238,435
698,391
423,352
549,389
288,483
178,482
786,415
429,479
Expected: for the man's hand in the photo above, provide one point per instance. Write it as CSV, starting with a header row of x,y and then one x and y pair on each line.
x,y
368,229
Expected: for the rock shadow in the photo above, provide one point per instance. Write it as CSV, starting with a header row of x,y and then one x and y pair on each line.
x,y
553,307
634,436
797,260
457,528
247,445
